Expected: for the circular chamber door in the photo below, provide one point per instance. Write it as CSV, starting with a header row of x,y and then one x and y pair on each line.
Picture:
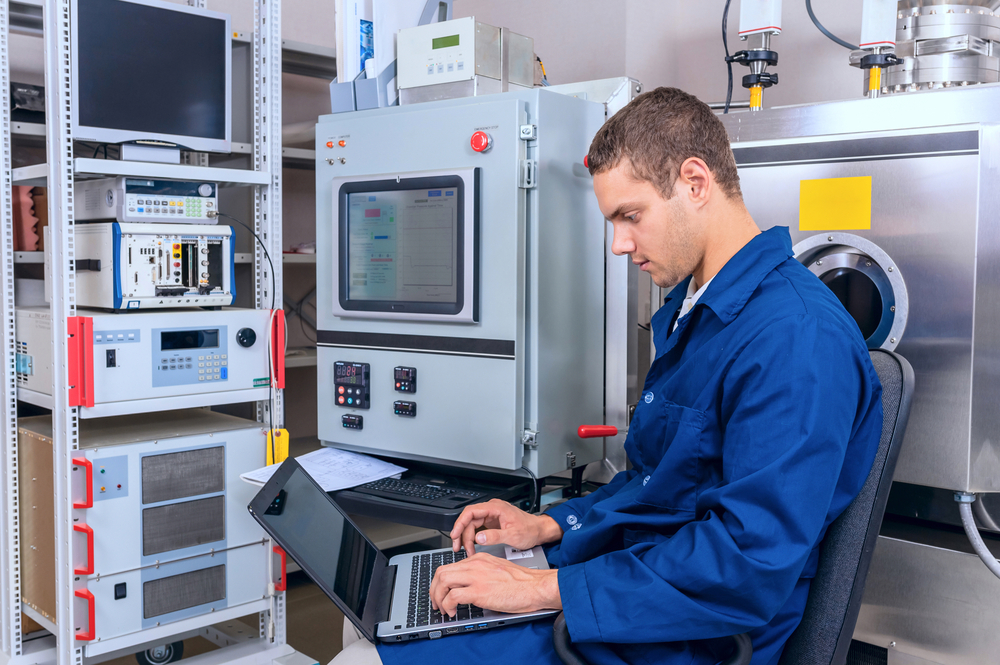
x,y
865,280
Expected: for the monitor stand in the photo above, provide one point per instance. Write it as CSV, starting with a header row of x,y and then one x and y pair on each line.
x,y
143,153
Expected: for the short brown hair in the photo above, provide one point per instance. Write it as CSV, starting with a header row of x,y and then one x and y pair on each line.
x,y
656,132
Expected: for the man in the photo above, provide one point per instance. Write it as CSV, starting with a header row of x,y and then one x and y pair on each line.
x,y
757,426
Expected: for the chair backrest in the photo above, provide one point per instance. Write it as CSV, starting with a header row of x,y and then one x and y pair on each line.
x,y
824,635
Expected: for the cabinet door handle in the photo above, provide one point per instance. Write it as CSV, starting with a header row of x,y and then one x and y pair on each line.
x,y
89,597
281,586
89,570
89,470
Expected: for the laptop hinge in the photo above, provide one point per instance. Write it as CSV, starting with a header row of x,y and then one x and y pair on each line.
x,y
385,597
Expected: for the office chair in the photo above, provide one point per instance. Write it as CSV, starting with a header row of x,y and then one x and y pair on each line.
x,y
824,634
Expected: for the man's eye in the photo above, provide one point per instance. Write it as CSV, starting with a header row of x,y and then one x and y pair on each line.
x,y
631,217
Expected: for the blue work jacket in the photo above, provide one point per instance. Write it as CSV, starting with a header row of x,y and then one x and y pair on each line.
x,y
757,426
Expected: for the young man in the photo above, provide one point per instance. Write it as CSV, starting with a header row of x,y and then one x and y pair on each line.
x,y
757,426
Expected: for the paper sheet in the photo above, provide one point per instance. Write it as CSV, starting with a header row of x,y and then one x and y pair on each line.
x,y
333,469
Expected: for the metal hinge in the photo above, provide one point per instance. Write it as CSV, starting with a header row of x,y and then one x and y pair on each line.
x,y
529,437
528,174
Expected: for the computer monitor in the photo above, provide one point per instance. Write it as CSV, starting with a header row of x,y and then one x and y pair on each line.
x,y
152,72
407,246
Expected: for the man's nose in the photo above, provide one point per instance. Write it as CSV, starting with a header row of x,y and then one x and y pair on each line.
x,y
621,243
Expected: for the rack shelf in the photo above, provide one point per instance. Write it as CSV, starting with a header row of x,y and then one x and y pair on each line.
x,y
37,174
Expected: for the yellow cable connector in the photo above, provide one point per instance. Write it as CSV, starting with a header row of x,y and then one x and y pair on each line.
x,y
277,450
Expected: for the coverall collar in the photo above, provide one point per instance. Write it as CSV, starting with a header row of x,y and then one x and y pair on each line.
x,y
732,287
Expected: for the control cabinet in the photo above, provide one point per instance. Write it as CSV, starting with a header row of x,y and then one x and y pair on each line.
x,y
162,532
460,242
152,361
148,266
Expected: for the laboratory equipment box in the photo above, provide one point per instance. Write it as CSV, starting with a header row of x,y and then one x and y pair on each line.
x,y
153,360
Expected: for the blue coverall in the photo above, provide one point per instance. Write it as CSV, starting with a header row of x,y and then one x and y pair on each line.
x,y
757,426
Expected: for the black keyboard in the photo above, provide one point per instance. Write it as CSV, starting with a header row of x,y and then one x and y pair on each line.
x,y
420,492
420,612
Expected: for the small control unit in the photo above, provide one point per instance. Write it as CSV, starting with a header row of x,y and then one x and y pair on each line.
x,y
127,199
148,266
351,385
153,360
406,379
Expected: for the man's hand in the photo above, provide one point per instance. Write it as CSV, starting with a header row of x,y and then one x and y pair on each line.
x,y
504,524
496,584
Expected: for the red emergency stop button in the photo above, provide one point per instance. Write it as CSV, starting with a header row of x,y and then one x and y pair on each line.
x,y
481,142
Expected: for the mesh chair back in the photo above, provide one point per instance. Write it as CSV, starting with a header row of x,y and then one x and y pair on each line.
x,y
824,635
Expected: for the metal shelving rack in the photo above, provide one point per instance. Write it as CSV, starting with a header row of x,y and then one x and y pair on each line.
x,y
51,20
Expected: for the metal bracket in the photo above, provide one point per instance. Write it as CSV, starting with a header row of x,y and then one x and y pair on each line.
x,y
529,132
528,174
571,460
529,438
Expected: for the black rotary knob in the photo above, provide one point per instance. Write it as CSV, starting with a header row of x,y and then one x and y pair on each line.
x,y
246,337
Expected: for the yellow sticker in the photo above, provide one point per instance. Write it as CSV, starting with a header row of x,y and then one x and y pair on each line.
x,y
835,204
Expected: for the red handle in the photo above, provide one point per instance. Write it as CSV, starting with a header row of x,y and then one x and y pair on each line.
x,y
596,431
83,528
89,597
89,468
278,348
284,580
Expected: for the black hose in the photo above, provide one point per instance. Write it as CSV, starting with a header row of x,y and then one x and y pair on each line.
x,y
729,64
812,15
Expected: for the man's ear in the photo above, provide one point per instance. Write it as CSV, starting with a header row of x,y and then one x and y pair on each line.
x,y
695,181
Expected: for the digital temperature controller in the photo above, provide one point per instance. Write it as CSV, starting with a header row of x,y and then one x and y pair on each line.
x,y
351,383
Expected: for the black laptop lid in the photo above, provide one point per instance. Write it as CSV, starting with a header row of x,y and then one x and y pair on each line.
x,y
307,523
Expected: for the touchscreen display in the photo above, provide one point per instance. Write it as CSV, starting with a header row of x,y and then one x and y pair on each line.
x,y
403,245
317,534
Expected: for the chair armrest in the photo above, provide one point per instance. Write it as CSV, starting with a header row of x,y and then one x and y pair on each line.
x,y
570,656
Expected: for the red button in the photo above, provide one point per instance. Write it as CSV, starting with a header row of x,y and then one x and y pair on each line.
x,y
340,400
177,265
340,390
397,385
329,144
481,142
342,143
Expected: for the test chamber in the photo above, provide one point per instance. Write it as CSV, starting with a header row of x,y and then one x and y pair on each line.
x,y
162,533
893,203
491,190
152,360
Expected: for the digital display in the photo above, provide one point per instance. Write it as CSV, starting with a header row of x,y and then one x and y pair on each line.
x,y
403,245
189,339
317,534
444,42
349,374
152,70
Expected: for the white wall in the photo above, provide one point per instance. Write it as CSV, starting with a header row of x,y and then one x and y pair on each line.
x,y
675,43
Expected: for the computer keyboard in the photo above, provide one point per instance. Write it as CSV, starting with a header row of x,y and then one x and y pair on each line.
x,y
420,612
419,492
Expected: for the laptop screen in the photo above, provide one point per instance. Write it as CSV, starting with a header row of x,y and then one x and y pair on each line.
x,y
319,537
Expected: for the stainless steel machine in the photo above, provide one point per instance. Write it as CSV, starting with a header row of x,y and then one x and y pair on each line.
x,y
894,204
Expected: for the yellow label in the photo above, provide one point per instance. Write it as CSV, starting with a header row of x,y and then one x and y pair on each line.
x,y
277,449
835,204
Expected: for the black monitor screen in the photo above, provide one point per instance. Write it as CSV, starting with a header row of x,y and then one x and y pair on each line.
x,y
147,69
401,245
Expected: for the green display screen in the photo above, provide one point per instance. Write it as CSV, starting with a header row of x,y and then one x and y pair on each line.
x,y
444,42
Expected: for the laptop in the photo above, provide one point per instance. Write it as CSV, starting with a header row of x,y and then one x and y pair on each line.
x,y
386,599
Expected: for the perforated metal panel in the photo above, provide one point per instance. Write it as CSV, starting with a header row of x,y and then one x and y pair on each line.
x,y
171,594
187,473
178,525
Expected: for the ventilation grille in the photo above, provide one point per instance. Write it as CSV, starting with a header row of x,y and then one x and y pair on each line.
x,y
187,473
171,594
179,525
862,653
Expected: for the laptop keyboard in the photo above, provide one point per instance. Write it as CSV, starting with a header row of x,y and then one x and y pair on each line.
x,y
420,612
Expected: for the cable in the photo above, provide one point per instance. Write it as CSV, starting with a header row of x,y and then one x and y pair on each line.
x,y
729,63
812,15
534,504
262,246
969,524
645,327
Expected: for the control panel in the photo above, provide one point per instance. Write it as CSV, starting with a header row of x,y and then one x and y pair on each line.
x,y
351,421
144,200
110,478
408,409
351,384
190,356
406,379
441,52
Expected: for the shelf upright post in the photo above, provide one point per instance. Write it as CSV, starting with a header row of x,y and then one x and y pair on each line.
x,y
59,150
10,588
267,216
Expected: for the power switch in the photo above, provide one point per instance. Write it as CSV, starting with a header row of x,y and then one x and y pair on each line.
x,y
111,361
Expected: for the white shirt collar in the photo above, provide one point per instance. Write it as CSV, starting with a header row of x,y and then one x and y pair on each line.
x,y
691,299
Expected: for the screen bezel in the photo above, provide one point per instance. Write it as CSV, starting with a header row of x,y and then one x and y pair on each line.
x,y
381,575
465,309
112,135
